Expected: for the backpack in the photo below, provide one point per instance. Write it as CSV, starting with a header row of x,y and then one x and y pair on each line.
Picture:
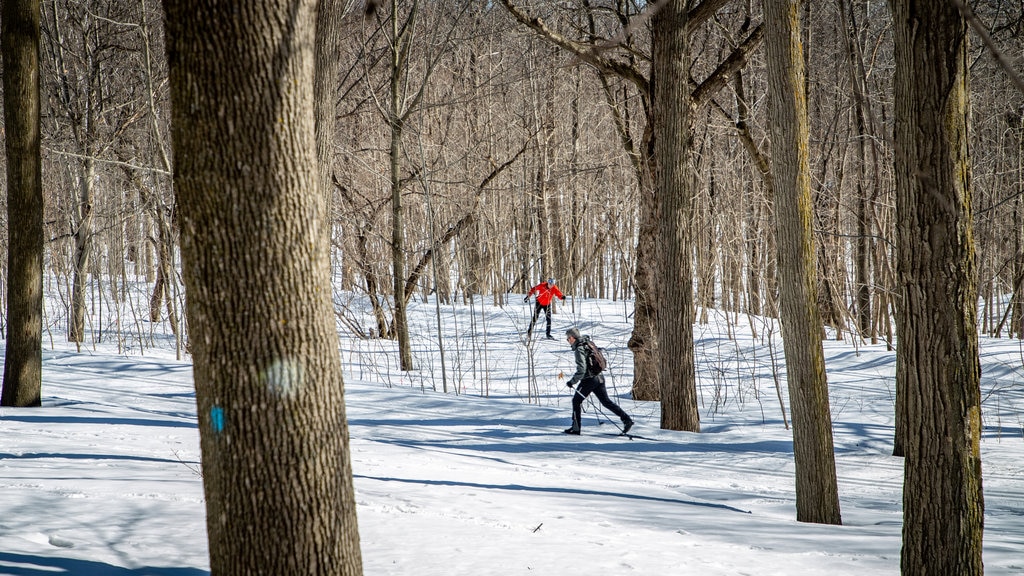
x,y
596,362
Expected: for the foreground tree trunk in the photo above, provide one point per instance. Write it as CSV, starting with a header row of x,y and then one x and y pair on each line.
x,y
937,340
276,467
817,491
23,362
672,140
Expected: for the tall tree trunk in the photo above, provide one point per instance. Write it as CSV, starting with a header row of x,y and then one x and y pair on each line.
x,y
19,46
325,92
1017,296
83,248
643,341
396,120
672,140
939,375
269,390
817,492
156,298
364,264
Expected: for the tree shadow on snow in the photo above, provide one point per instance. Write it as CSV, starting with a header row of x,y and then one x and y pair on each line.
x,y
37,565
554,490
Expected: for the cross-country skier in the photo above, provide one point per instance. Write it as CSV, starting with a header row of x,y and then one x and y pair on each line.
x,y
589,384
545,292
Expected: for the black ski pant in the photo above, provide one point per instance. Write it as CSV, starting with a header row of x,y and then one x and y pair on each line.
x,y
536,312
594,385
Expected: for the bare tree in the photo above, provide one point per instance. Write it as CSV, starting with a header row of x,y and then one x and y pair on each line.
x,y
19,46
276,466
89,50
817,492
409,40
397,114
938,377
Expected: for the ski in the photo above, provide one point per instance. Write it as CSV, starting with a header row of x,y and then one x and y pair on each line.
x,y
629,435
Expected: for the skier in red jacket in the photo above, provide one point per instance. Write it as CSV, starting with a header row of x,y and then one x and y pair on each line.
x,y
545,292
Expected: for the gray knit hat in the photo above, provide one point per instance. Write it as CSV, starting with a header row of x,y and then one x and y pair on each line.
x,y
574,332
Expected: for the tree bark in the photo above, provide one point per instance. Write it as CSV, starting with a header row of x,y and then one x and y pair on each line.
x,y
938,376
325,90
19,46
817,493
269,391
1017,297
396,122
672,140
643,341
83,245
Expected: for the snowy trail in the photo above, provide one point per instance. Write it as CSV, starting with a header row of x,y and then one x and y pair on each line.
x,y
102,480
597,492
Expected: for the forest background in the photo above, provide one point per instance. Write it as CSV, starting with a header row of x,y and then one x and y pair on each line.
x,y
514,168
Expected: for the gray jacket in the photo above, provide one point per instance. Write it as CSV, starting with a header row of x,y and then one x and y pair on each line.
x,y
579,348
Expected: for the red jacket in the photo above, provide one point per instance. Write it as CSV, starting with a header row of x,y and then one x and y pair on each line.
x,y
545,293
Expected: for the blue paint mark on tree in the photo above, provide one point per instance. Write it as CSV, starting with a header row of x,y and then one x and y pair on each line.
x,y
217,419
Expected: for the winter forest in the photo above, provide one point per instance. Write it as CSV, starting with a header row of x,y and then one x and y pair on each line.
x,y
262,177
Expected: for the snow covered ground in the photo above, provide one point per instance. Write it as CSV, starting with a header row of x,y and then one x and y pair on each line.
x,y
103,479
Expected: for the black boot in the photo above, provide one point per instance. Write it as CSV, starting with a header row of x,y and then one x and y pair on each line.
x,y
573,430
626,425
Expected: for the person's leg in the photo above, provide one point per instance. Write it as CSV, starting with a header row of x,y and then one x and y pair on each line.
x,y
577,412
583,389
547,316
602,395
536,312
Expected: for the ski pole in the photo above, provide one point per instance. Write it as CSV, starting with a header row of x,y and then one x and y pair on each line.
x,y
597,410
601,412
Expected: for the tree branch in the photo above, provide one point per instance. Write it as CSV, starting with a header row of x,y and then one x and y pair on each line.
x,y
458,227
982,31
736,61
584,51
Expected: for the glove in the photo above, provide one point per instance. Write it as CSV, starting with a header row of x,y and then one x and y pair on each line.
x,y
569,384
563,298
527,299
